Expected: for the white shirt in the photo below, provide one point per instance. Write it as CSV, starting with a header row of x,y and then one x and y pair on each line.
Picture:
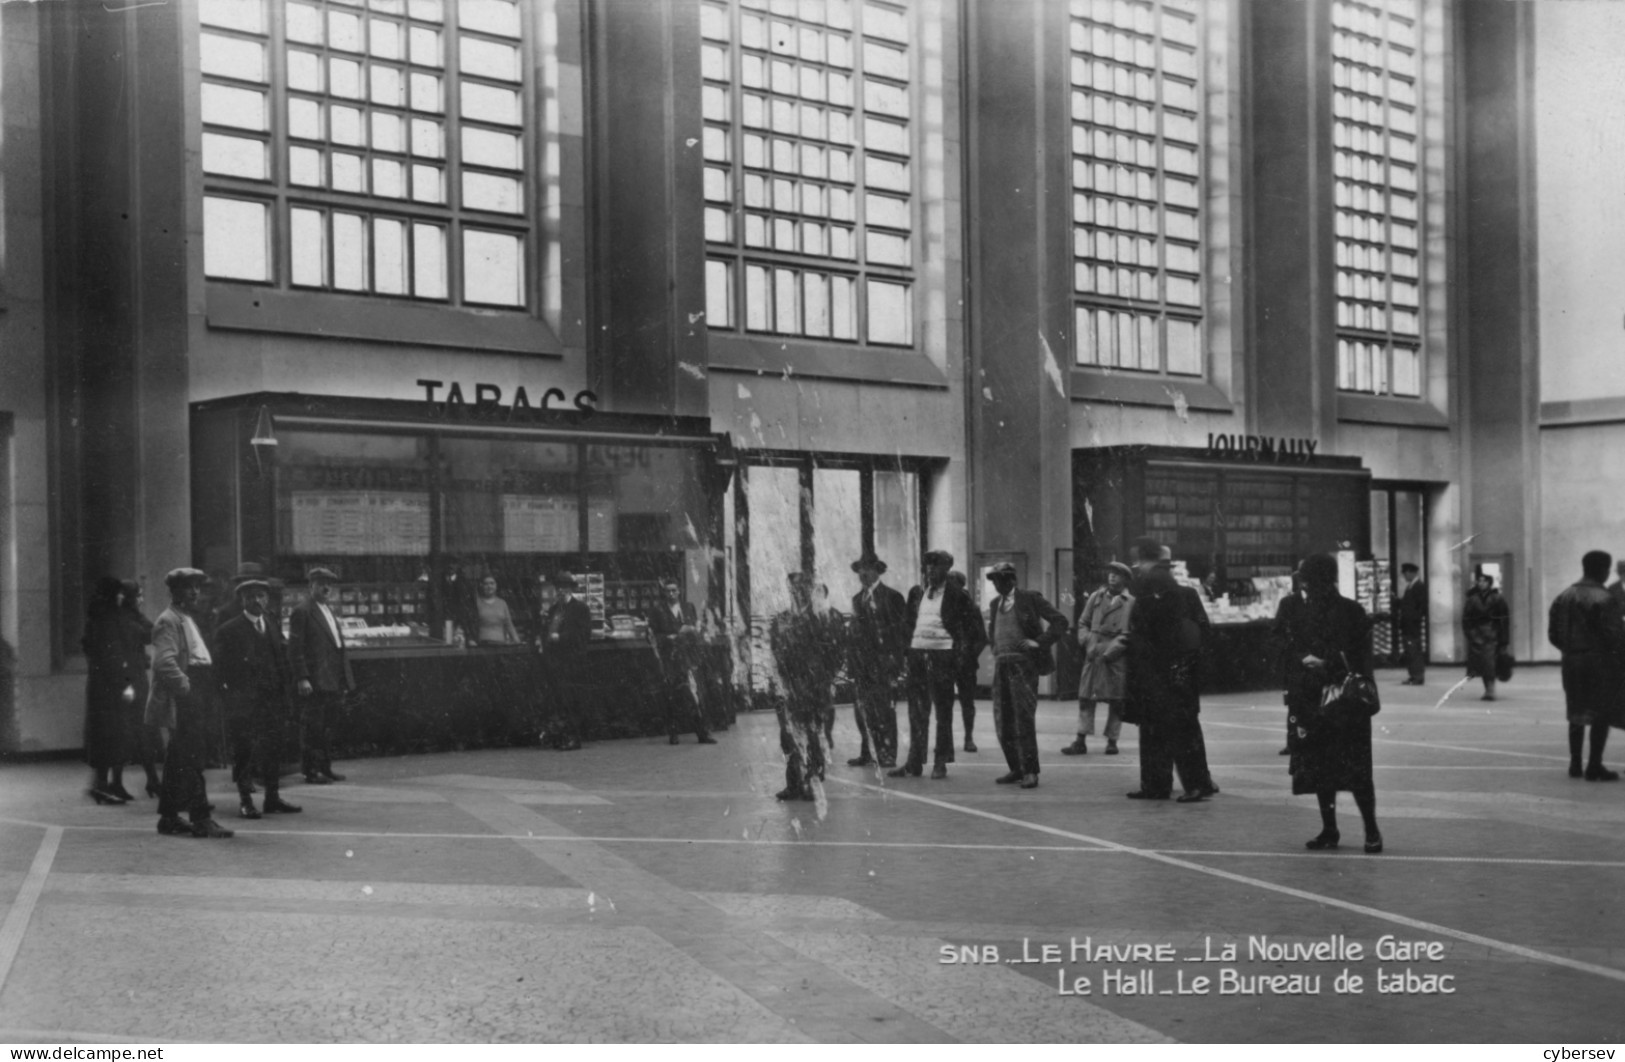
x,y
929,633
332,625
197,650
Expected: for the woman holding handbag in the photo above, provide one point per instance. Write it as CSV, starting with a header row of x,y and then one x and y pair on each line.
x,y
1330,700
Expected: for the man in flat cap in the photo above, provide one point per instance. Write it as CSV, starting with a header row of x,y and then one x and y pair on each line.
x,y
183,686
565,634
877,638
251,660
1023,627
321,672
806,644
1102,627
941,628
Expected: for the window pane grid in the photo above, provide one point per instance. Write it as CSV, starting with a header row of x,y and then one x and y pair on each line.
x,y
1377,194
409,118
809,167
1137,145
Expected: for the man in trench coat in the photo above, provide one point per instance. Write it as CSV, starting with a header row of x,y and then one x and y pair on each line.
x,y
1102,630
1585,624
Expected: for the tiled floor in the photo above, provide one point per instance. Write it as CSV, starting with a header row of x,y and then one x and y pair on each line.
x,y
636,892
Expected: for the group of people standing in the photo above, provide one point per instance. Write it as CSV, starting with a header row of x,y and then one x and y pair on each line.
x,y
235,690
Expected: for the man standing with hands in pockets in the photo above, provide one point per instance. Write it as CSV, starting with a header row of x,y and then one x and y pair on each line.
x,y
321,671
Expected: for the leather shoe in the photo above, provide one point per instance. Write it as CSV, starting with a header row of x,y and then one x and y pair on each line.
x,y
104,796
118,790
1077,748
282,807
331,777
859,761
939,771
705,739
1111,748
172,826
1007,779
904,771
1326,839
317,779
673,740
210,828
1285,752
1141,794
970,746
1575,770
248,811
1373,843
793,794
1599,773
1192,797
1029,781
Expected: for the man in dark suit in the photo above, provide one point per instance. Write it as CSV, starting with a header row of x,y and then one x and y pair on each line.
x,y
251,661
674,630
1617,587
969,660
183,687
877,640
1022,628
1164,637
565,634
321,672
941,627
807,647
1413,615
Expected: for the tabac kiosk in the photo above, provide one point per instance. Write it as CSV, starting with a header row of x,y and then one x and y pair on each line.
x,y
413,502
1238,515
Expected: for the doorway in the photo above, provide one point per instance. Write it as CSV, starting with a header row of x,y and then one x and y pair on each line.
x,y
1399,536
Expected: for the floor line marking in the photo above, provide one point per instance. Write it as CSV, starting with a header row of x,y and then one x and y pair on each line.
x,y
1414,744
1285,890
22,908
1101,848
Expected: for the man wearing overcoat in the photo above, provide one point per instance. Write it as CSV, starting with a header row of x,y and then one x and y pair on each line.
x,y
877,639
565,634
1413,617
183,687
1585,624
321,672
807,649
1102,631
251,661
1165,632
1022,628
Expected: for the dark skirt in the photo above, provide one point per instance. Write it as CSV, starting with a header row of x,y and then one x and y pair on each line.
x,y
107,715
1329,751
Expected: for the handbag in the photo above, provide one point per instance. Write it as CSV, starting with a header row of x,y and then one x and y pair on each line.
x,y
1354,696
1503,666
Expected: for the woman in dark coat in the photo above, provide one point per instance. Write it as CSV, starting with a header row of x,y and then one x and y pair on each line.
x,y
1327,638
1488,623
146,744
108,694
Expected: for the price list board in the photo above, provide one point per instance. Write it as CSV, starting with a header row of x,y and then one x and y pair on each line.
x,y
360,522
540,523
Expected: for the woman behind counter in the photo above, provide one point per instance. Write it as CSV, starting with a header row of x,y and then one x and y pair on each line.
x,y
495,621
1327,638
1488,623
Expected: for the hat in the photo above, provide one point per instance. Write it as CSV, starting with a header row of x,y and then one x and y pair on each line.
x,y
1119,566
800,579
321,575
869,560
248,586
1001,568
939,556
179,577
1147,548
563,580
248,570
